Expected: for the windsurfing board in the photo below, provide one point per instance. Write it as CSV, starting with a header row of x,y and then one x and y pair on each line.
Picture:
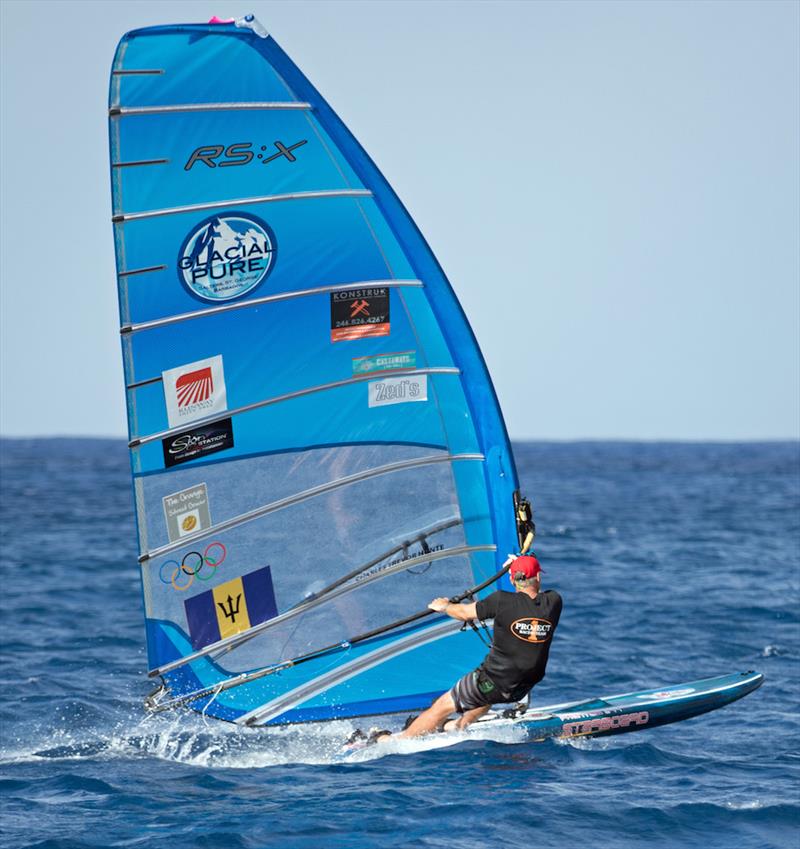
x,y
631,711
620,713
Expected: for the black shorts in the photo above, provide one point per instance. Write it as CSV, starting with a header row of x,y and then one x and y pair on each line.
x,y
475,690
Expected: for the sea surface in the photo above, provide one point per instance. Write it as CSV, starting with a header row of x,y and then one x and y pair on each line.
x,y
675,561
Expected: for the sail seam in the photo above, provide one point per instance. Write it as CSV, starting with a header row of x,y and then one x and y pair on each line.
x,y
282,296
122,217
236,640
299,497
289,396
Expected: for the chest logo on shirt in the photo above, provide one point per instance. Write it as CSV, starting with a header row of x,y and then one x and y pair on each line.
x,y
532,630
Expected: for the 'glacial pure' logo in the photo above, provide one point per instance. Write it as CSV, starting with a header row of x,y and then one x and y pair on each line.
x,y
398,390
195,391
226,256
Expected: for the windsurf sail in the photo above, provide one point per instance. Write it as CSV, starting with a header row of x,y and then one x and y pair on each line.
x,y
316,446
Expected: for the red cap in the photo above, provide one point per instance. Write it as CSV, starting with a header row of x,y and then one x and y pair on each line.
x,y
528,566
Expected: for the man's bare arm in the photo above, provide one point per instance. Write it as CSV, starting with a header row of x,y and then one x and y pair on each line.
x,y
464,612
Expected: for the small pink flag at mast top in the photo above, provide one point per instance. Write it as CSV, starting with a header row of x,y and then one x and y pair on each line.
x,y
216,20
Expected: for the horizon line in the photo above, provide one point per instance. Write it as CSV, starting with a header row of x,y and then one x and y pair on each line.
x,y
692,440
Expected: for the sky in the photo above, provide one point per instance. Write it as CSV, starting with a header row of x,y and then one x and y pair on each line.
x,y
613,189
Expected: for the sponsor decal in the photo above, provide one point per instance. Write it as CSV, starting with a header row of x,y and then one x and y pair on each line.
x,y
398,390
358,313
231,608
384,362
226,256
671,694
484,685
195,391
240,153
191,444
424,548
603,723
583,714
532,630
194,564
186,512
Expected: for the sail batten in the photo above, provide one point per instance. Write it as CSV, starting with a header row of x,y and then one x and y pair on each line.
x,y
140,162
135,271
348,670
296,498
318,194
121,72
122,111
289,396
232,642
316,447
268,299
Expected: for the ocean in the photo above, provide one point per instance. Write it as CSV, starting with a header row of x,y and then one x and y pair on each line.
x,y
675,562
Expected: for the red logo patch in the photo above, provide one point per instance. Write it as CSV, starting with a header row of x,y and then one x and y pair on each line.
x,y
194,387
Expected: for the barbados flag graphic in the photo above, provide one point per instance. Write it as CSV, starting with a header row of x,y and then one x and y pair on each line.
x,y
231,608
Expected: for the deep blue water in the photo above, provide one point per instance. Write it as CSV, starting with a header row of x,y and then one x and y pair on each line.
x,y
675,562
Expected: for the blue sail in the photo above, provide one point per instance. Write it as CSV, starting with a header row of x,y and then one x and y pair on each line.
x,y
316,446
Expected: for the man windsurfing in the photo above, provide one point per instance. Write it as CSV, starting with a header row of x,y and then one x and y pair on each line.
x,y
524,623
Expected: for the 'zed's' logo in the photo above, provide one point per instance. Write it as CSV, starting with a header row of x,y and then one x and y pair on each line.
x,y
240,153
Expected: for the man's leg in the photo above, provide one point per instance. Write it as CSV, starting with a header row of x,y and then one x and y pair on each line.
x,y
430,719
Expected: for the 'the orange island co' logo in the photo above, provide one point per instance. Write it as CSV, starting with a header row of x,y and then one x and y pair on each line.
x,y
532,630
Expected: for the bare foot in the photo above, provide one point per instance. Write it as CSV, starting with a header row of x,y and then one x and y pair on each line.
x,y
380,736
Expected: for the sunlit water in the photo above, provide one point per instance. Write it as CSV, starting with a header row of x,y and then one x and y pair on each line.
x,y
675,562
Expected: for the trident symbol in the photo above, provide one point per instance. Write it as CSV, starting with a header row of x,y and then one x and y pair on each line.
x,y
231,613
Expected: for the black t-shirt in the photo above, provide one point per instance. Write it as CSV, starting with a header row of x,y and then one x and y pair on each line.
x,y
523,630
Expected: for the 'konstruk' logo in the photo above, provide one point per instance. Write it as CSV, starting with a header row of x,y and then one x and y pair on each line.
x,y
226,256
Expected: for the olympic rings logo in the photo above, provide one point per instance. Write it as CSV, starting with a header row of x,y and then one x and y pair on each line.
x,y
191,567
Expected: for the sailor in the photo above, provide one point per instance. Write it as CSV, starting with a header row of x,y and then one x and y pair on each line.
x,y
526,528
524,624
